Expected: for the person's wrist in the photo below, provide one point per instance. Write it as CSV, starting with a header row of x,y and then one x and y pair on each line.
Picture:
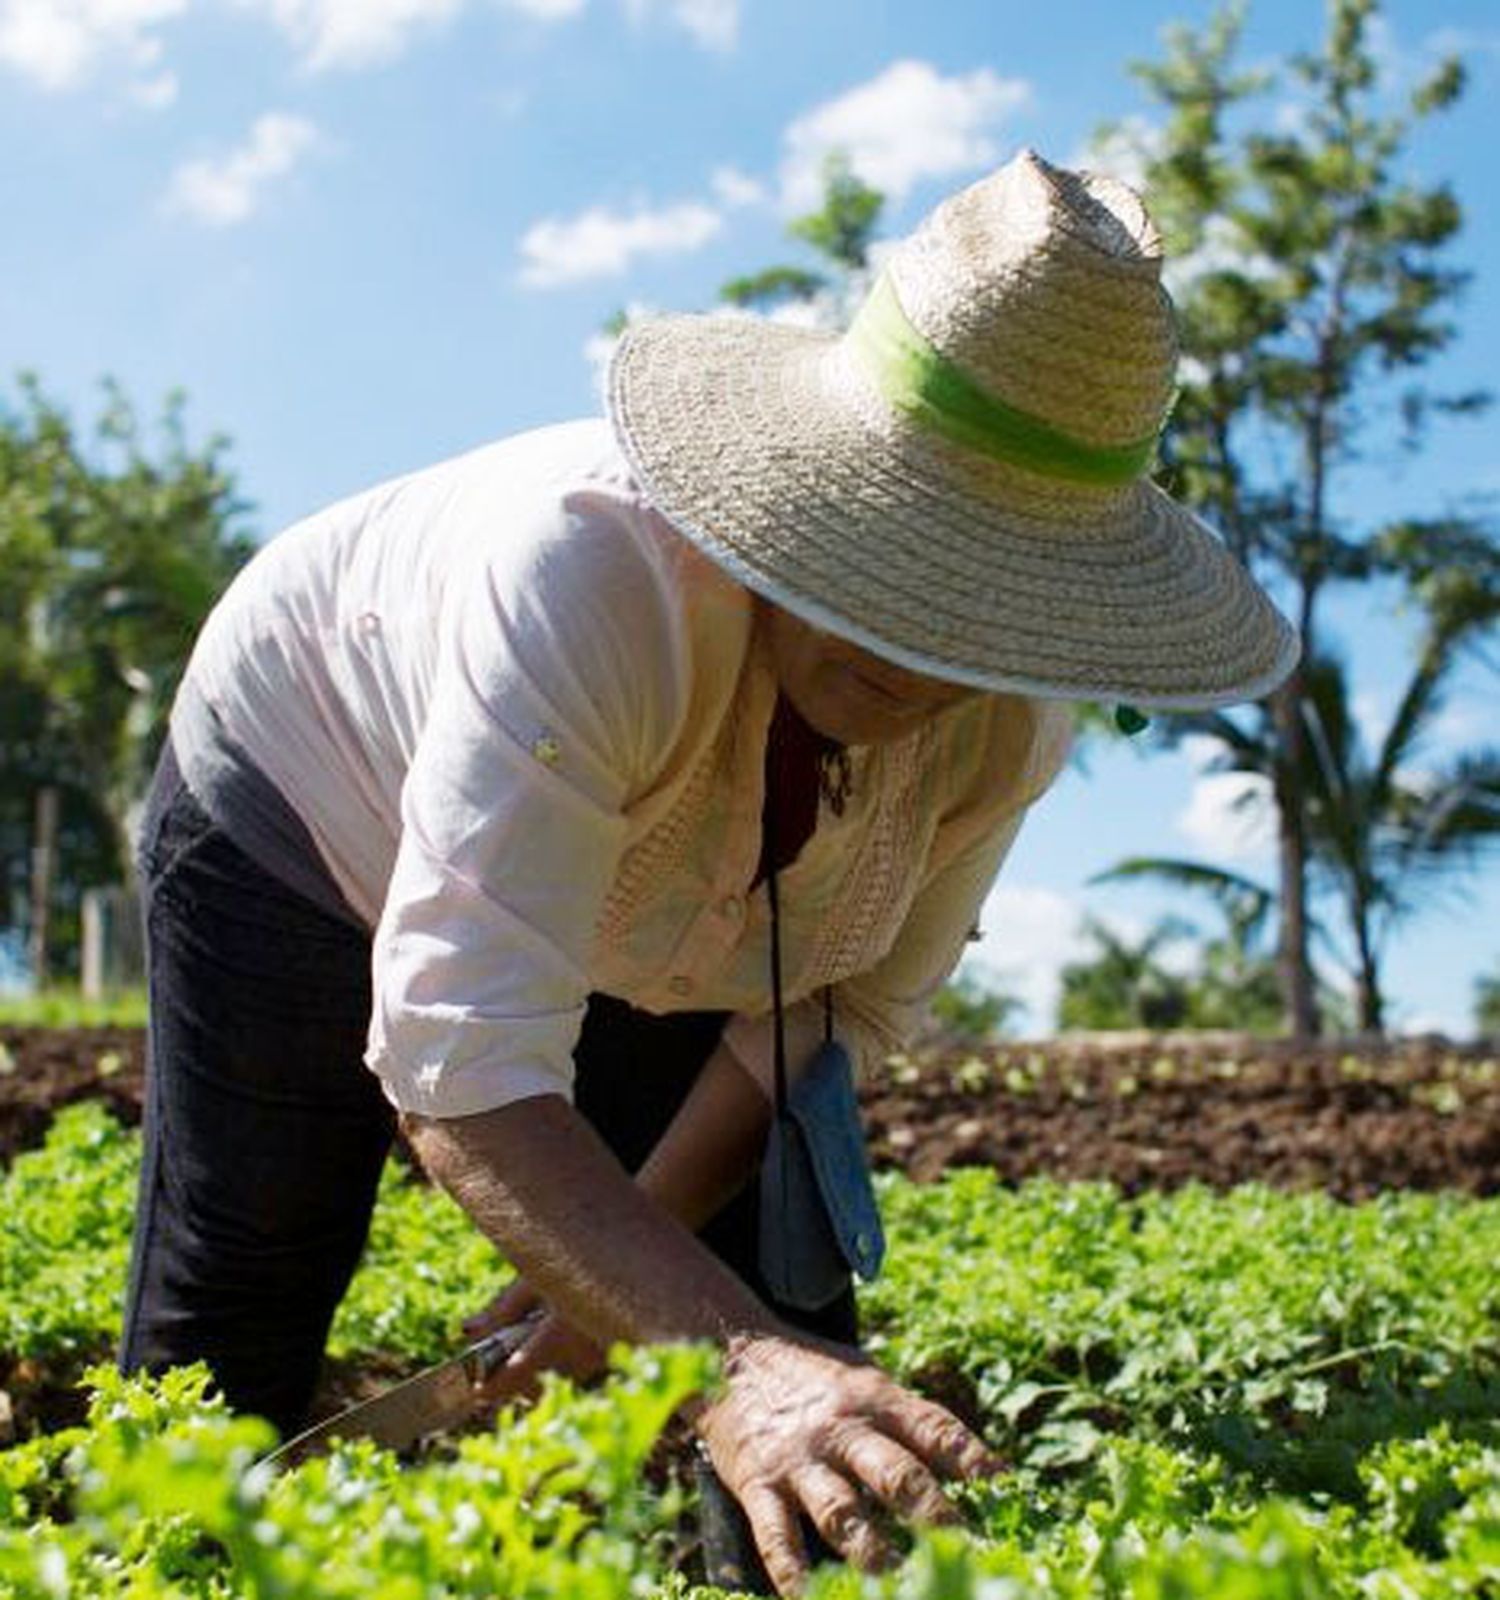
x,y
744,1347
740,1346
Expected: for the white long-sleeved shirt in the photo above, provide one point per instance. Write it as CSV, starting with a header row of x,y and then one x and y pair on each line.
x,y
524,722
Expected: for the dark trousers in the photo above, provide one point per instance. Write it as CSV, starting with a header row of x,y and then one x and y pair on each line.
x,y
265,1133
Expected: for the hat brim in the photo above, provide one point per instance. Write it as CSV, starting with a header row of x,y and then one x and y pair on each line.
x,y
767,447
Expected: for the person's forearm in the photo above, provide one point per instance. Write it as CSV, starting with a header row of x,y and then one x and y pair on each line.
x,y
709,1151
546,1189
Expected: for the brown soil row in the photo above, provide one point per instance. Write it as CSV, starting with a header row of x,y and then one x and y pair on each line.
x,y
1351,1117
44,1069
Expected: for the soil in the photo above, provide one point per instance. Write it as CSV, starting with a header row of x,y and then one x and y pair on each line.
x,y
1350,1117
44,1069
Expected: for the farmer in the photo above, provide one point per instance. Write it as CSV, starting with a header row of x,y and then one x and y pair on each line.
x,y
488,789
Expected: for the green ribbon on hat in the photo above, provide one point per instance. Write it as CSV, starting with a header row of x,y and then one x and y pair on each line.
x,y
920,381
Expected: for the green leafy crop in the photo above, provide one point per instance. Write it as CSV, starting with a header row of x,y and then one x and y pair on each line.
x,y
1249,1394
162,1495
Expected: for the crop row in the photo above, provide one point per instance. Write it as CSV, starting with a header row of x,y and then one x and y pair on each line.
x,y
1253,1393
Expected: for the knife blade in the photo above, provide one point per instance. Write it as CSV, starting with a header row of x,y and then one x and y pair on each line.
x,y
438,1397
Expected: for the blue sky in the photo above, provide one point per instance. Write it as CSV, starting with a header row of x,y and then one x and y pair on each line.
x,y
366,234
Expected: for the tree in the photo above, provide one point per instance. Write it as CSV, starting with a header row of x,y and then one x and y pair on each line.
x,y
969,1010
1385,832
840,232
1382,833
1236,984
111,554
1311,288
1487,1005
1125,985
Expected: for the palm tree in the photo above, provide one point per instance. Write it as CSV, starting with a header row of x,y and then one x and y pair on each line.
x,y
1383,834
1386,832
1125,985
1237,984
1487,1004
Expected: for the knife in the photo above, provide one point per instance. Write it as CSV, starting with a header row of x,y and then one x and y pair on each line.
x,y
436,1398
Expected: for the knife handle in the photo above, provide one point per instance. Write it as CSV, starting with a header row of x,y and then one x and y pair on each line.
x,y
484,1358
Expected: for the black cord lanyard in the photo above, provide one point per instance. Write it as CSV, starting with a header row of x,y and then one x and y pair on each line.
x,y
769,825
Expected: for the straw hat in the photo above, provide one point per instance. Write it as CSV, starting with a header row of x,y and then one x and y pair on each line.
x,y
959,482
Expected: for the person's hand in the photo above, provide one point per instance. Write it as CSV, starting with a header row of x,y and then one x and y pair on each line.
x,y
554,1346
515,1301
806,1426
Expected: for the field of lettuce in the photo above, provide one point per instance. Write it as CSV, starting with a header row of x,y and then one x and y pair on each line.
x,y
1243,1392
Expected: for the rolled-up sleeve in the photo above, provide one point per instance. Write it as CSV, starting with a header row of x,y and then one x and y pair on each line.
x,y
559,682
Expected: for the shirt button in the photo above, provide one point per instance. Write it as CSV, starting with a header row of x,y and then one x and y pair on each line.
x,y
681,984
732,906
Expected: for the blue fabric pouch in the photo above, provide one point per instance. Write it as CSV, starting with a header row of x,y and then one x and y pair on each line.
x,y
818,1216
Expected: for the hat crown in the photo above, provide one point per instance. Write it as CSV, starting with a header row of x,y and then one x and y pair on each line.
x,y
1043,286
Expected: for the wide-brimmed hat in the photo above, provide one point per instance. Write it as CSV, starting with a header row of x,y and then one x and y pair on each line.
x,y
959,483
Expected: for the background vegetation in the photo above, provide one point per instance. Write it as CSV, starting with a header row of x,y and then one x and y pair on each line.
x,y
1314,284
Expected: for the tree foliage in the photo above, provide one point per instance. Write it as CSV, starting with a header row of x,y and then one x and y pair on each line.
x,y
1387,829
113,547
1125,984
1234,984
1313,290
972,1011
1487,1004
1227,980
840,233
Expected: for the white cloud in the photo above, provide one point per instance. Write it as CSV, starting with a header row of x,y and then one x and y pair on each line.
x,y
713,24
1222,249
821,310
156,93
733,188
1123,151
352,33
1229,815
1372,716
1029,935
905,125
598,350
1428,1022
59,44
601,243
1199,750
365,33
368,33
1460,725
1462,42
230,189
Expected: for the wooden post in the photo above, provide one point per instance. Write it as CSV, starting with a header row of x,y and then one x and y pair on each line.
x,y
112,955
43,869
